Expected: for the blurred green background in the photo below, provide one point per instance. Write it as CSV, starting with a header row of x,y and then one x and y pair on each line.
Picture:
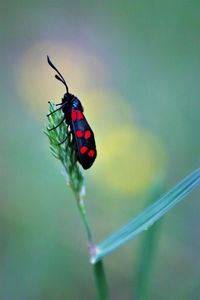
x,y
135,65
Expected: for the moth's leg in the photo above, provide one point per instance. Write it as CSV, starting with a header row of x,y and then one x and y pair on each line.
x,y
63,141
57,125
62,105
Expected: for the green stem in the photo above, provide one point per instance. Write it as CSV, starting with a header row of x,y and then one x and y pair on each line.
x,y
82,210
146,260
101,283
148,247
98,268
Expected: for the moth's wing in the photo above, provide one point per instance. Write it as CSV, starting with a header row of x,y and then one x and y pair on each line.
x,y
84,137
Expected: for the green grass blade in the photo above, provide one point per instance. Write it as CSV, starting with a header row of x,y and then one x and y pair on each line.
x,y
148,248
148,217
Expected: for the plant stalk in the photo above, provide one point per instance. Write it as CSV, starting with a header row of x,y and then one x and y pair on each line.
x,y
100,280
98,268
148,247
82,210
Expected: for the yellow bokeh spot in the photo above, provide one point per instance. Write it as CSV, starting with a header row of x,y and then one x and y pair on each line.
x,y
35,78
105,107
128,160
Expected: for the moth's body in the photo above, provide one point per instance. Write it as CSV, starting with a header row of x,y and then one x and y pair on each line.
x,y
82,133
69,101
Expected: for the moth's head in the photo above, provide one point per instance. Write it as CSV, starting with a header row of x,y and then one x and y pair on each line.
x,y
67,98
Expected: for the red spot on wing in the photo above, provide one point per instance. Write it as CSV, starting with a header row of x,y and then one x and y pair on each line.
x,y
87,134
91,153
83,149
79,115
73,114
79,133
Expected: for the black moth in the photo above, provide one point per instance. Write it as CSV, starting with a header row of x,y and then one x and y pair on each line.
x,y
73,116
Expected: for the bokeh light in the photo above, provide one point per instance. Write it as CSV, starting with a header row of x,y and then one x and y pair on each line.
x,y
129,159
36,78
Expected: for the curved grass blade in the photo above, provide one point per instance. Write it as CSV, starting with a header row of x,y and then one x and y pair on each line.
x,y
148,217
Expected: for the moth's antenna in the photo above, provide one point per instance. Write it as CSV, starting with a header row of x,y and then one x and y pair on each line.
x,y
60,77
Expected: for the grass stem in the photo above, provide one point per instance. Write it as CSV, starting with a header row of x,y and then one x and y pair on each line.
x,y
82,210
98,268
100,280
148,247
